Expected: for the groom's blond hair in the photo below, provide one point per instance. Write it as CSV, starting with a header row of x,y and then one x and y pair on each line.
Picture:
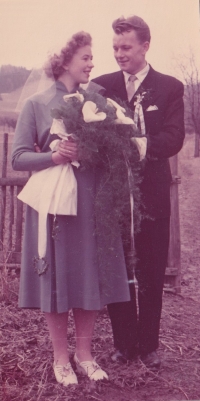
x,y
132,23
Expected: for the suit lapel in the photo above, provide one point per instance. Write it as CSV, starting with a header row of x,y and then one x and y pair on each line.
x,y
149,85
118,87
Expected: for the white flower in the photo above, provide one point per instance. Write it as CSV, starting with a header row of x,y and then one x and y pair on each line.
x,y
91,113
58,127
54,145
114,104
139,98
78,95
121,118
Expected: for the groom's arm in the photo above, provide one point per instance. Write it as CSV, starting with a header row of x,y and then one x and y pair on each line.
x,y
167,140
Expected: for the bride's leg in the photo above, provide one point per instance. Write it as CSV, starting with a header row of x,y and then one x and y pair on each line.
x,y
84,323
57,325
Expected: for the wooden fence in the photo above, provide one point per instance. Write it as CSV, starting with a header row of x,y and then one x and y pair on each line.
x,y
173,271
11,213
12,217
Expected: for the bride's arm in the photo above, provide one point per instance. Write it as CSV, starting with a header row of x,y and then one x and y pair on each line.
x,y
64,149
24,155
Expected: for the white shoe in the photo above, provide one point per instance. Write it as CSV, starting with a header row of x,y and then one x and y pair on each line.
x,y
65,374
91,369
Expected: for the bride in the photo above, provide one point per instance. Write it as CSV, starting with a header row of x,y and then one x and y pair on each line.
x,y
73,276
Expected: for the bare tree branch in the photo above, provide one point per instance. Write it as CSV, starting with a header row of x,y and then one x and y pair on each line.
x,y
191,77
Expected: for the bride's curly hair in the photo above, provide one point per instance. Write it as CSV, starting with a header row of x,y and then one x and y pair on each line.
x,y
54,66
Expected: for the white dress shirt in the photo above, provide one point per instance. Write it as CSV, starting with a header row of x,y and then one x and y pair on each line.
x,y
141,75
141,143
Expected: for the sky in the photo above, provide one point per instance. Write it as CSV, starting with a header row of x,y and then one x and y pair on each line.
x,y
31,29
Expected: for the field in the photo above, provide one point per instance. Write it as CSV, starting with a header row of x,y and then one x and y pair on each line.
x,y
26,352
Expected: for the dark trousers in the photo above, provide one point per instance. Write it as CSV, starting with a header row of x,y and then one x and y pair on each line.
x,y
151,245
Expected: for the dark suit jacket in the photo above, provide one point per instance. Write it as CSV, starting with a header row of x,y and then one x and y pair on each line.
x,y
164,130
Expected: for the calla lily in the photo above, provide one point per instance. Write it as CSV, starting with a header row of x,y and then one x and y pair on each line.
x,y
114,104
121,118
91,113
141,144
58,127
78,95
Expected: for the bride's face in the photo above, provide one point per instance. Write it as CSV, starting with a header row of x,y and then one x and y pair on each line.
x,y
80,66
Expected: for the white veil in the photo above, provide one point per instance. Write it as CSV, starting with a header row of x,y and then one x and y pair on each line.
x,y
36,82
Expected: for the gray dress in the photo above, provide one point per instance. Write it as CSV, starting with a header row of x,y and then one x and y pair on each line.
x,y
86,267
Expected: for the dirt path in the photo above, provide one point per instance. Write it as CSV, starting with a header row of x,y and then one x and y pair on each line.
x,y
25,348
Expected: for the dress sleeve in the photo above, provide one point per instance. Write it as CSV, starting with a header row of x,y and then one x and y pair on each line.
x,y
169,139
24,157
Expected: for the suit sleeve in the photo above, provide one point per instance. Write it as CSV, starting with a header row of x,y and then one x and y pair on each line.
x,y
24,157
169,139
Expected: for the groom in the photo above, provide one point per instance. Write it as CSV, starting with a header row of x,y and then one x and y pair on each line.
x,y
162,105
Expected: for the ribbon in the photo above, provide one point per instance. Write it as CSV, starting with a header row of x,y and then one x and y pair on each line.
x,y
141,144
139,117
130,178
52,190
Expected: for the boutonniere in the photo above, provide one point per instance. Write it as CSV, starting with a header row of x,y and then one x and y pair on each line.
x,y
142,95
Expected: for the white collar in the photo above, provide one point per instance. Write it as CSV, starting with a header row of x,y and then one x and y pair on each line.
x,y
141,75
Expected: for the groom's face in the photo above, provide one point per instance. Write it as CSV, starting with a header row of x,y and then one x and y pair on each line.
x,y
129,52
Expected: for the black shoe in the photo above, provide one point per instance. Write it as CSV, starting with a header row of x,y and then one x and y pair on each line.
x,y
151,360
124,356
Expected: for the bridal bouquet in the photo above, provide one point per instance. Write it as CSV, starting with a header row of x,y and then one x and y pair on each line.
x,y
104,130
107,136
102,127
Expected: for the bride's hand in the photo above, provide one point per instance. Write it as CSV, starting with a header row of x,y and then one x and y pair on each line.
x,y
59,159
66,152
68,149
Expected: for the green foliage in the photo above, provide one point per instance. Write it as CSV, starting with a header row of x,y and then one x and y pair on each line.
x,y
106,145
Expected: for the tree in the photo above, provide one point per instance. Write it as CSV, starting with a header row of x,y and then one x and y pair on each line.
x,y
191,77
12,77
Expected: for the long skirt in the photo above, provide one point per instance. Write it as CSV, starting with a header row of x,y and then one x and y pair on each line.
x,y
85,266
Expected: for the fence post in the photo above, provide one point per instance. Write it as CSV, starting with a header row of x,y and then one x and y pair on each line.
x,y
3,189
19,219
173,271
